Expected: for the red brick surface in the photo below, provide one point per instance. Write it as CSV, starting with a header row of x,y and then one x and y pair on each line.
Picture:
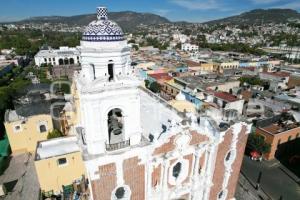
x,y
103,187
197,138
156,175
236,165
166,147
134,177
219,166
190,159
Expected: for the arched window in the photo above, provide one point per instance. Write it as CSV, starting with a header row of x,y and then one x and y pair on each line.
x,y
110,70
66,61
120,192
115,124
61,61
71,61
43,128
177,170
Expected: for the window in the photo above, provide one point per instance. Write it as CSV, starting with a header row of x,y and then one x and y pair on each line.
x,y
177,170
43,128
228,156
45,59
120,192
62,161
17,128
220,195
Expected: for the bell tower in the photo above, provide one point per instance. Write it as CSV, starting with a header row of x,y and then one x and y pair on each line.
x,y
108,90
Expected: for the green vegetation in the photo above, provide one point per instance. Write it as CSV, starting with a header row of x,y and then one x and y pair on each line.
x,y
251,80
54,134
156,44
147,83
257,143
154,87
16,81
290,40
28,42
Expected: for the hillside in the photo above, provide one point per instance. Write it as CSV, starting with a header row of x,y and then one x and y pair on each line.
x,y
260,16
128,20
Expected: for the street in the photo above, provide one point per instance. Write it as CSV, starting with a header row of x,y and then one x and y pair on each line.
x,y
274,181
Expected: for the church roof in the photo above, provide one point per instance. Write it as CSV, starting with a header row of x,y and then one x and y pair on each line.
x,y
102,29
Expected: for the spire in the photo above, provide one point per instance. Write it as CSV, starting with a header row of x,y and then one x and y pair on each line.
x,y
101,13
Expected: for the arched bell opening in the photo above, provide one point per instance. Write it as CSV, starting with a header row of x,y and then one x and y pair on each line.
x,y
115,122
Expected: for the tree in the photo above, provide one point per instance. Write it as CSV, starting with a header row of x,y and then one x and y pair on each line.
x,y
135,47
257,142
54,134
178,46
147,83
154,87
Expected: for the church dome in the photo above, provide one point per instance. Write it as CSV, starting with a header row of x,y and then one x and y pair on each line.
x,y
102,29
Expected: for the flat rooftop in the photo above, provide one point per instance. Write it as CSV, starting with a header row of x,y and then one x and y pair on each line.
x,y
56,147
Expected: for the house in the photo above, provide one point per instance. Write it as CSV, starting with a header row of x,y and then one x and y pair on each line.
x,y
278,131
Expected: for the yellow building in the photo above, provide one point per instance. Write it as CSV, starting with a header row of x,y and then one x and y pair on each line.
x,y
228,65
59,163
182,105
24,132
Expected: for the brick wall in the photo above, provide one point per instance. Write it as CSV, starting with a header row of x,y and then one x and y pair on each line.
x,y
219,171
236,165
156,175
279,138
103,187
219,165
134,177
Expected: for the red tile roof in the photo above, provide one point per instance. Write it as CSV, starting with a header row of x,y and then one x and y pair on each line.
x,y
250,68
191,63
278,74
161,76
225,96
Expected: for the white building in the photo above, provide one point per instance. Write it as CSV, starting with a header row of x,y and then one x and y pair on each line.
x,y
61,56
189,47
180,37
134,145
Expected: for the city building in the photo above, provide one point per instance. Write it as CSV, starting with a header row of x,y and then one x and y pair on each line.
x,y
31,121
278,131
130,143
134,144
61,56
63,161
189,47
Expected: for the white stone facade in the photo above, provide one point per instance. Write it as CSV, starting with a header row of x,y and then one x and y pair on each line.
x,y
134,145
189,47
61,56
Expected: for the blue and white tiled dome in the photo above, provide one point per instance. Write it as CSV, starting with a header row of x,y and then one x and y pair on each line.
x,y
102,29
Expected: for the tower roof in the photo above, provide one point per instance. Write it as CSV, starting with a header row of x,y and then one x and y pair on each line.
x,y
103,29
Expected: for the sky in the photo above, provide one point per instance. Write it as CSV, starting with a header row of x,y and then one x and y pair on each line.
x,y
174,10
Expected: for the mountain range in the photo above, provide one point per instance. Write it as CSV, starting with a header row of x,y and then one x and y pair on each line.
x,y
129,20
260,16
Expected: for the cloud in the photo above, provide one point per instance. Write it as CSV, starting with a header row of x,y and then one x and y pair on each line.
x,y
9,18
291,5
162,12
201,5
265,1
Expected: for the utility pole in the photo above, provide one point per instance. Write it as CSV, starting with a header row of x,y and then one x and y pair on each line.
x,y
258,180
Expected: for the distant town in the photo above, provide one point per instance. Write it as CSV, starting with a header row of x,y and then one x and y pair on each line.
x,y
160,111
